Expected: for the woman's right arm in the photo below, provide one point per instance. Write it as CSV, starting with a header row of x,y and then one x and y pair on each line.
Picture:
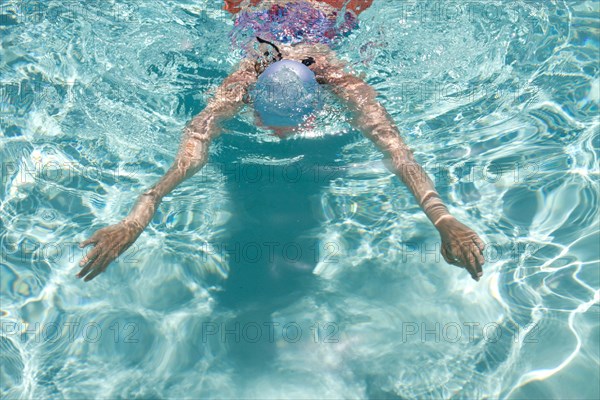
x,y
113,240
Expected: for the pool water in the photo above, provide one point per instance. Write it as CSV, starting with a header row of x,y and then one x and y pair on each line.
x,y
301,268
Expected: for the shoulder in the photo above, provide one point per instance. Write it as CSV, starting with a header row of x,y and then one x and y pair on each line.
x,y
357,6
234,6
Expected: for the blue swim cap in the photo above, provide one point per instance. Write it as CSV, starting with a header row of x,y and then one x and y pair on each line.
x,y
285,94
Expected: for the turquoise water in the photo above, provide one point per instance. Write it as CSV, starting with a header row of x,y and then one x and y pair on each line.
x,y
301,268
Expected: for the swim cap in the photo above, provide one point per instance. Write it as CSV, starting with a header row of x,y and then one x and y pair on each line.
x,y
286,93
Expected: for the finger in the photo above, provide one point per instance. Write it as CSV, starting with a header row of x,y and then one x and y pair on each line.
x,y
447,253
91,265
87,242
457,257
469,263
479,261
103,262
85,271
476,256
99,266
479,244
92,240
448,257
97,271
474,269
456,261
90,256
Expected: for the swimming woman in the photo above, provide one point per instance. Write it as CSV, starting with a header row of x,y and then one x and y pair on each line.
x,y
301,31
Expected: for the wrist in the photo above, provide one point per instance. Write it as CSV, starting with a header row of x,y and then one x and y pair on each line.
x,y
436,210
133,225
442,221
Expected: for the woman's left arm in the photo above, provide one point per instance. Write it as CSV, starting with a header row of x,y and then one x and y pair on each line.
x,y
460,245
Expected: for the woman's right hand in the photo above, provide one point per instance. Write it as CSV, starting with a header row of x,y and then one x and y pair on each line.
x,y
109,243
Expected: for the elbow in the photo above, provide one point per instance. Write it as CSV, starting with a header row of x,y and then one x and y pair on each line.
x,y
187,167
389,142
151,197
200,128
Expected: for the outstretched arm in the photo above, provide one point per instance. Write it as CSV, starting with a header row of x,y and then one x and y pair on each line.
x,y
460,245
112,241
